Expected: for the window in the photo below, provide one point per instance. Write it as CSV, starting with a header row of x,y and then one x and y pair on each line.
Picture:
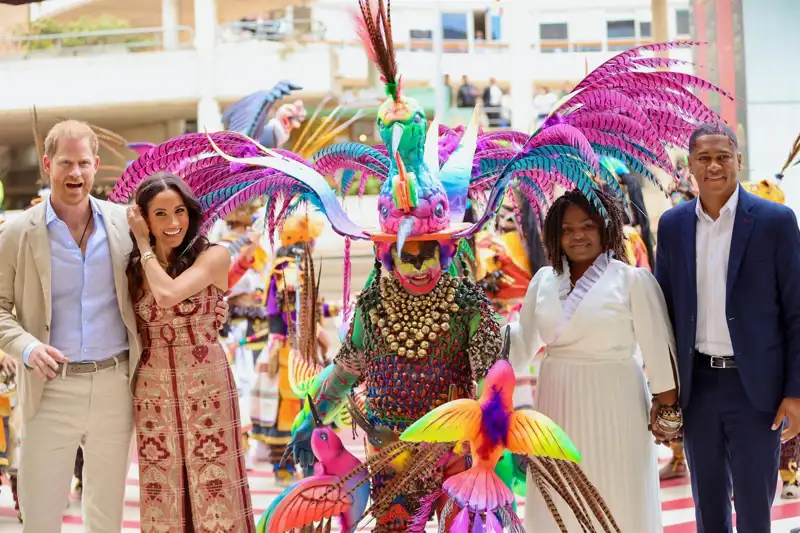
x,y
554,37
645,30
553,31
682,22
621,34
420,39
454,26
420,35
454,32
621,29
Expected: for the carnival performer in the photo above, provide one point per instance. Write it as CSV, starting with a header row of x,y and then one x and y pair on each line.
x,y
249,115
9,424
243,335
419,336
290,295
636,249
679,191
507,258
191,457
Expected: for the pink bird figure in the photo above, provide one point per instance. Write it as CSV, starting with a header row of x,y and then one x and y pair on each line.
x,y
322,495
490,425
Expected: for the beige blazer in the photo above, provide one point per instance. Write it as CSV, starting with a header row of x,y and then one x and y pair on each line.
x,y
25,282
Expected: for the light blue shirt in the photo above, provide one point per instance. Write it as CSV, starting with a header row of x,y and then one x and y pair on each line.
x,y
86,321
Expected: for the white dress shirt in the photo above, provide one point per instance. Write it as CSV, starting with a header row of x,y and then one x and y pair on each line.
x,y
713,251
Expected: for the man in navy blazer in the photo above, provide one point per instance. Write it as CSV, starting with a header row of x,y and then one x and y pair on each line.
x,y
729,265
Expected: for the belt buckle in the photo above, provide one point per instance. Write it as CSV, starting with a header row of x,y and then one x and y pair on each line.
x,y
719,362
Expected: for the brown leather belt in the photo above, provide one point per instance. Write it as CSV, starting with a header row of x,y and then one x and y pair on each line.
x,y
91,367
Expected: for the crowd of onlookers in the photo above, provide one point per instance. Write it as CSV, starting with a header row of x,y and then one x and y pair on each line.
x,y
495,100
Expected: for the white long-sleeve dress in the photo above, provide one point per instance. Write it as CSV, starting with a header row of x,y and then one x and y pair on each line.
x,y
592,385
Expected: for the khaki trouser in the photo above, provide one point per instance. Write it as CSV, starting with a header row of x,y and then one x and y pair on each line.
x,y
94,411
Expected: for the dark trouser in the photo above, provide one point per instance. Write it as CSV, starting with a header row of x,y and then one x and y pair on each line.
x,y
729,445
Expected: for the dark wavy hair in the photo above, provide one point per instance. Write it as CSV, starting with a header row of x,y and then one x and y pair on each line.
x,y
182,257
612,236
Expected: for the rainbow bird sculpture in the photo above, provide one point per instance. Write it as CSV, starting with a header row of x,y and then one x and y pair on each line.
x,y
490,426
329,493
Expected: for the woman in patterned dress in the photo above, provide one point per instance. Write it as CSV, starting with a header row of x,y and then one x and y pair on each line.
x,y
192,474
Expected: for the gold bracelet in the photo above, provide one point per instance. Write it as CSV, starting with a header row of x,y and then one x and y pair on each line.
x,y
146,257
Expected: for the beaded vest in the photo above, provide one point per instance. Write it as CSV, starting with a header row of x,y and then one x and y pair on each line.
x,y
402,388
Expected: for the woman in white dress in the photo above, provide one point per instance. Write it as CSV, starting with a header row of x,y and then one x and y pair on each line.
x,y
590,311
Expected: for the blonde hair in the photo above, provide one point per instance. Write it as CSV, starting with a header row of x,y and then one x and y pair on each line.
x,y
70,129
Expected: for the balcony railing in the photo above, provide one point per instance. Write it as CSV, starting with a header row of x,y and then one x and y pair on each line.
x,y
92,42
274,30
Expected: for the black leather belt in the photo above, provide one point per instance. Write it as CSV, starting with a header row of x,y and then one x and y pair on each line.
x,y
718,361
90,367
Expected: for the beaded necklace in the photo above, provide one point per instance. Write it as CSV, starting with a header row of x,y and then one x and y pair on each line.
x,y
410,323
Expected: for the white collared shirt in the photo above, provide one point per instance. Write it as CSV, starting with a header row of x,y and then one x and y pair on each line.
x,y
713,251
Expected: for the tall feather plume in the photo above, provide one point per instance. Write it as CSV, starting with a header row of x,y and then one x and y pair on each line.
x,y
374,29
795,151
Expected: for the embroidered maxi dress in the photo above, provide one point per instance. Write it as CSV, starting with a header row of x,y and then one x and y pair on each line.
x,y
593,387
191,464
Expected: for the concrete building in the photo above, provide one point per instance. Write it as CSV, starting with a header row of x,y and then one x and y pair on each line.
x,y
180,62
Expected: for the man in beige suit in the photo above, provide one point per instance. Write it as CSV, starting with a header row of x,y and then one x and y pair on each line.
x,y
62,266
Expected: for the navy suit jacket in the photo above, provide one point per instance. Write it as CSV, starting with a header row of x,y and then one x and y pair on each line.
x,y
763,295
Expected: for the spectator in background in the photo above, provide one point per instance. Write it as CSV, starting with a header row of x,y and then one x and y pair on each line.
x,y
448,91
632,181
543,103
467,93
492,102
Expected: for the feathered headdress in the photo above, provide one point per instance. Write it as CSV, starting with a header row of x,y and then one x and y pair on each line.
x,y
628,109
374,29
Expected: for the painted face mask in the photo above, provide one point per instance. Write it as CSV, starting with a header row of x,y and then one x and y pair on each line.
x,y
418,267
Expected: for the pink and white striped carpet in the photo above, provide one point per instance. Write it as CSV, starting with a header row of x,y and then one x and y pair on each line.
x,y
676,503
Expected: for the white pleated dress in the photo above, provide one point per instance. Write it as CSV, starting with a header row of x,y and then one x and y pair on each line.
x,y
593,387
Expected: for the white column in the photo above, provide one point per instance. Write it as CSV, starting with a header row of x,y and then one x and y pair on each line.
x,y
209,116
169,21
440,110
519,37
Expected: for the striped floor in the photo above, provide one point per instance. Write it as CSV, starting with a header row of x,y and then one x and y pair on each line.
x,y
677,506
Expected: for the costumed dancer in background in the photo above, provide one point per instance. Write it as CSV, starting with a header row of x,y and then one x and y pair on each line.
x,y
10,418
682,190
507,258
636,248
292,305
769,189
247,315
